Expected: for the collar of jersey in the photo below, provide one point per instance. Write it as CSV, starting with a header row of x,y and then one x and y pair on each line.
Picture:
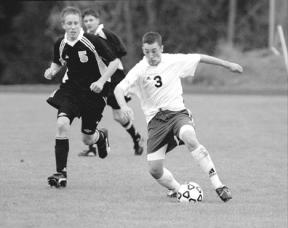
x,y
99,31
146,64
72,43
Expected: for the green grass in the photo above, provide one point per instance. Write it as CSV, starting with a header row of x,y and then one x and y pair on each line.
x,y
246,137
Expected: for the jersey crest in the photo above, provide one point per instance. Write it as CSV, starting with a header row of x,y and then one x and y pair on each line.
x,y
101,64
83,56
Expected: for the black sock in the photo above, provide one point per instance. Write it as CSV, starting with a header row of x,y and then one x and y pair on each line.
x,y
91,147
101,136
61,154
132,131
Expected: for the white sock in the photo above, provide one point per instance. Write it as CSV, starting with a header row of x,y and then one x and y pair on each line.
x,y
167,180
201,155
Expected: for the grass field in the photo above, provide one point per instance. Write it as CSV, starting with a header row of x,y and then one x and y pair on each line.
x,y
246,137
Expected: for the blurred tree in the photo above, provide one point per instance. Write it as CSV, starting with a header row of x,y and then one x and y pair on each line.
x,y
7,12
29,28
231,21
25,47
252,24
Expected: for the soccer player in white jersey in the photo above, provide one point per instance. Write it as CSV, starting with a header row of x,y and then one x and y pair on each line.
x,y
156,81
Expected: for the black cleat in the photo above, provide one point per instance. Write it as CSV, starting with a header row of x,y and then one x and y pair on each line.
x,y
103,143
224,193
58,180
91,152
138,145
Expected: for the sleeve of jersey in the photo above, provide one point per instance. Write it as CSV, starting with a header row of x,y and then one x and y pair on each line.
x,y
56,53
103,50
129,83
118,44
189,63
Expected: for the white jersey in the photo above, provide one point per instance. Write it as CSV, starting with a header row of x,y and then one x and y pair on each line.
x,y
159,87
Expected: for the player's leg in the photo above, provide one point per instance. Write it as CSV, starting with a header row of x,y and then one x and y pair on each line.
x,y
100,138
88,138
59,179
161,174
63,100
201,155
130,128
160,141
91,116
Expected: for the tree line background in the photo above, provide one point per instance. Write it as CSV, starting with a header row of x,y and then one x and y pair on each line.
x,y
29,29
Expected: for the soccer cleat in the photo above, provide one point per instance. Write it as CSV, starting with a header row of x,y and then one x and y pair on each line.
x,y
224,193
91,152
138,145
58,180
171,194
103,143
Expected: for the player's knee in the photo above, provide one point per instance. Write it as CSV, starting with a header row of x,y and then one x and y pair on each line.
x,y
191,143
155,170
188,136
63,124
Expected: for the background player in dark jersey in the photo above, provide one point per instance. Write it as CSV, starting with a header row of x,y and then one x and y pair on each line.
x,y
91,19
81,95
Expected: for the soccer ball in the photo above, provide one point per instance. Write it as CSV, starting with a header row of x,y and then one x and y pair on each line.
x,y
190,192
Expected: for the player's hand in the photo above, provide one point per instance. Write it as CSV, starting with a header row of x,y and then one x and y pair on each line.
x,y
234,67
123,117
128,113
97,86
49,73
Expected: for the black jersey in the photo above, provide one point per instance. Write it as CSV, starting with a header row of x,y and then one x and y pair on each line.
x,y
82,59
115,43
118,48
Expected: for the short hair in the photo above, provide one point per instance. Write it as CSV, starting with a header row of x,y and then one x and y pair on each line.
x,y
152,37
70,10
91,12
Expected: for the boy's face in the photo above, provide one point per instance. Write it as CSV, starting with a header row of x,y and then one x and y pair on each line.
x,y
91,23
152,53
72,25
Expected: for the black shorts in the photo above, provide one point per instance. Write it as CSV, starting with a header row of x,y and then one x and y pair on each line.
x,y
117,77
87,105
164,129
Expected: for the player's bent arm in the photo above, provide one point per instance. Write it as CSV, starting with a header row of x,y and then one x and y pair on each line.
x,y
120,97
99,84
234,67
111,68
52,71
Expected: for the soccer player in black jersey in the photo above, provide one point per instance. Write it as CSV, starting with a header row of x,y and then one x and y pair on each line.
x,y
91,19
82,94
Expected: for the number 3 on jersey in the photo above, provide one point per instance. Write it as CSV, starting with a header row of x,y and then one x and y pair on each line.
x,y
158,81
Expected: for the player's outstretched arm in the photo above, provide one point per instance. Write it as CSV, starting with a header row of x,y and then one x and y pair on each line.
x,y
234,67
52,71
